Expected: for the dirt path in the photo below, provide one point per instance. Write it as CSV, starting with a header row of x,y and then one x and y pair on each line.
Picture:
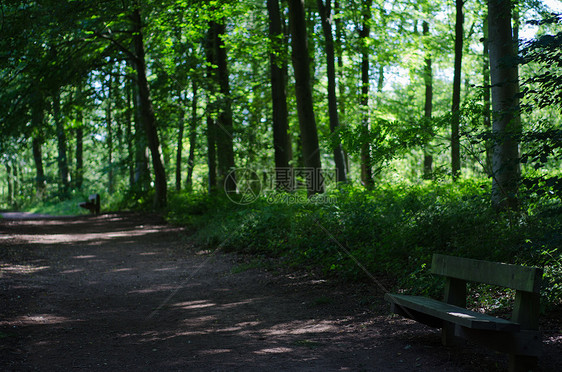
x,y
129,293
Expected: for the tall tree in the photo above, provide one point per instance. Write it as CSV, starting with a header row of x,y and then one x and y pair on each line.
x,y
79,173
278,70
141,178
179,147
37,118
224,132
40,184
109,137
192,136
506,125
486,93
129,115
210,110
303,90
326,17
62,159
455,109
428,106
147,111
10,182
364,33
339,55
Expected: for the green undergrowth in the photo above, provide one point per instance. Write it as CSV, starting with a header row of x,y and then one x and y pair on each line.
x,y
68,205
56,207
392,231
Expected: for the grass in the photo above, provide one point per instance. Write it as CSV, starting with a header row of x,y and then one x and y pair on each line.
x,y
67,207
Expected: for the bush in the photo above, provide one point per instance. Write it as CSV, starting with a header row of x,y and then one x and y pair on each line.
x,y
391,231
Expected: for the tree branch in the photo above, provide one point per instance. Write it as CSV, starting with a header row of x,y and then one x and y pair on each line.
x,y
118,44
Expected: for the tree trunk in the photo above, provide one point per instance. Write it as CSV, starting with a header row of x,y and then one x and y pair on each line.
x,y
141,179
179,149
455,109
210,111
341,75
366,170
326,18
79,134
109,139
281,140
129,113
428,107
380,83
192,138
17,180
147,110
486,95
10,180
211,154
62,159
37,117
506,125
40,183
79,153
224,133
303,90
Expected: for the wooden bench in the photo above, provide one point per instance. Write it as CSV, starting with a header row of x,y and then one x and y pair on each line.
x,y
93,204
519,336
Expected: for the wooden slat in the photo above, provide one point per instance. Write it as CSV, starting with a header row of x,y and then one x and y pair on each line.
x,y
524,278
417,316
451,313
521,343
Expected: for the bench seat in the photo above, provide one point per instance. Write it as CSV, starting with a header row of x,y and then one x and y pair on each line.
x,y
93,204
450,313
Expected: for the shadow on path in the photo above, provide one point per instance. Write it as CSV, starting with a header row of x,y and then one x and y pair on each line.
x,y
128,292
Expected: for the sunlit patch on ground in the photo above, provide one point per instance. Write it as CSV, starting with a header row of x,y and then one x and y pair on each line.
x,y
20,269
72,271
215,351
156,288
122,270
166,268
274,350
89,237
194,305
303,327
36,319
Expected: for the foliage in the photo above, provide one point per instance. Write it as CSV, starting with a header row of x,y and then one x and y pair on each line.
x,y
546,52
392,231
66,207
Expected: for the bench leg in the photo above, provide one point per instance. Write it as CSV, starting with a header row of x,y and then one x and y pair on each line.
x,y
455,294
522,363
448,337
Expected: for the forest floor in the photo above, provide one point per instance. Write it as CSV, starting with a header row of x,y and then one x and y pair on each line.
x,y
128,292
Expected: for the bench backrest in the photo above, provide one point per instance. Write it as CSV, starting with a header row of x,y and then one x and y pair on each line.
x,y
521,278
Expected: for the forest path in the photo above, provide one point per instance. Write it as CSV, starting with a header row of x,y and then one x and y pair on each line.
x,y
123,292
